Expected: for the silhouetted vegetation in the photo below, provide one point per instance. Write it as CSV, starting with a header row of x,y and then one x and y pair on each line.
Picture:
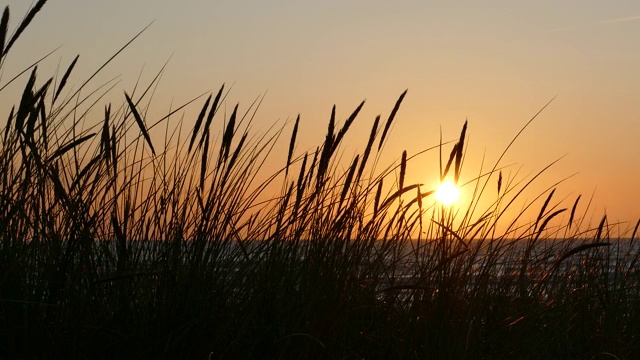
x,y
118,244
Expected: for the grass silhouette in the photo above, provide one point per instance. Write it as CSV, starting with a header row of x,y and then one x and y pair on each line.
x,y
114,243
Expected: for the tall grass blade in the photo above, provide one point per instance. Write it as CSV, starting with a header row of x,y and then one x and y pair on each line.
x,y
203,112
397,194
292,144
376,201
34,64
543,209
23,25
403,169
573,211
452,156
43,90
4,25
367,150
347,182
300,185
418,199
314,163
227,138
283,209
36,111
459,149
635,230
234,156
140,123
601,227
43,124
114,151
105,140
203,163
65,78
27,101
346,126
213,110
327,148
301,175
387,125
95,73
546,221
8,127
64,149
576,250
526,125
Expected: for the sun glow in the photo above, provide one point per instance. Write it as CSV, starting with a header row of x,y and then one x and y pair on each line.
x,y
447,193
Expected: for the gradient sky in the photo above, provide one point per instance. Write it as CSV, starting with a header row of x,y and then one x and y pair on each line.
x,y
495,63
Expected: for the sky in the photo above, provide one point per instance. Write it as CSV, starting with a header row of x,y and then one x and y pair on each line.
x,y
493,63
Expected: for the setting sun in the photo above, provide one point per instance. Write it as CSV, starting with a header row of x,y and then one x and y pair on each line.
x,y
447,193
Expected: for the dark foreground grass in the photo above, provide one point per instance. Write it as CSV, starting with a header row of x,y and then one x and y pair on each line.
x,y
118,244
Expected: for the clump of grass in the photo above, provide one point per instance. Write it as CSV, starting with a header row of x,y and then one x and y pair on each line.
x,y
117,244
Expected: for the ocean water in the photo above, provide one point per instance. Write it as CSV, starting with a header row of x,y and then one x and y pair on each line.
x,y
504,257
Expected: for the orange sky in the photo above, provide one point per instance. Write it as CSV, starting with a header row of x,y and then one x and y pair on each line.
x,y
495,63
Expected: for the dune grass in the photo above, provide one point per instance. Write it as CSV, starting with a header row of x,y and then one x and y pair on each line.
x,y
118,244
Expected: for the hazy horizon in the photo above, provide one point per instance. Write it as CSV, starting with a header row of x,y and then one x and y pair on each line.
x,y
494,64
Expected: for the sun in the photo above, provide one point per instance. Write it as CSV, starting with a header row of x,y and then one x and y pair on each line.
x,y
447,193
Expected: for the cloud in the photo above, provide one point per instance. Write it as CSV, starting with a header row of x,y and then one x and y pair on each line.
x,y
620,20
597,23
